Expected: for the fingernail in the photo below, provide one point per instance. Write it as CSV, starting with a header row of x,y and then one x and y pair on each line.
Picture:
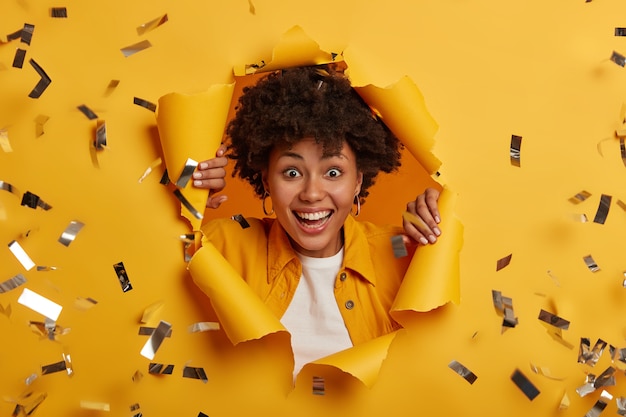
x,y
437,219
423,241
203,165
197,183
197,175
437,231
432,239
220,152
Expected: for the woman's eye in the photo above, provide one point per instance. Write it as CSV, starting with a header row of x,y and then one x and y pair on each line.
x,y
333,173
291,173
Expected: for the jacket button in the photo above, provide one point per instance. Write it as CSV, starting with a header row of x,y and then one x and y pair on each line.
x,y
343,276
349,304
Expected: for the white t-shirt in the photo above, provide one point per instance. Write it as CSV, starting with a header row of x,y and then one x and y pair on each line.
x,y
313,318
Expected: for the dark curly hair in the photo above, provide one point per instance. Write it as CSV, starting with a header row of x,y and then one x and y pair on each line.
x,y
308,102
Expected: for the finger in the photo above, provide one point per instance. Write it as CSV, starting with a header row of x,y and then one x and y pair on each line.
x,y
221,151
424,209
432,198
416,229
217,162
215,201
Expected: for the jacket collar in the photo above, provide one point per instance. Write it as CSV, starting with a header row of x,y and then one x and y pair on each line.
x,y
356,257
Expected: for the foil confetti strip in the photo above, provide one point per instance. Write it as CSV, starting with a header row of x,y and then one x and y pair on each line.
x,y
84,303
12,283
145,104
70,232
398,246
203,326
15,35
188,245
149,170
621,405
94,405
151,311
591,264
42,268
581,218
100,141
148,331
40,121
58,12
30,379
152,24
622,150
618,58
590,356
503,262
165,179
565,402
160,369
43,82
540,370
111,87
241,220
137,376
26,35
185,175
40,304
33,201
467,375
134,48
515,150
201,414
580,197
195,373
28,403
504,305
319,386
621,204
90,114
5,144
600,405
603,209
18,59
53,368
620,31
187,204
122,276
524,384
48,329
605,379
21,255
155,340
553,320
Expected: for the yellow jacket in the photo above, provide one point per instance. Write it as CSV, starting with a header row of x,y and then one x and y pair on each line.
x,y
366,284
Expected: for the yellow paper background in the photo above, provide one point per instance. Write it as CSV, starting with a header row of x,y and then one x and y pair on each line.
x,y
486,69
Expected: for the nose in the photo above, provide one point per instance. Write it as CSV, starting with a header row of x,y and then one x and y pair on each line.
x,y
313,190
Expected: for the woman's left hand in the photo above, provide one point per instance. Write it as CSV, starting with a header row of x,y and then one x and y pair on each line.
x,y
420,223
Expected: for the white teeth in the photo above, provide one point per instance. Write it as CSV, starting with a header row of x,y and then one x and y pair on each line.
x,y
314,216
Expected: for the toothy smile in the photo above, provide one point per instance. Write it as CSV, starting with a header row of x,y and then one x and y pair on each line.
x,y
313,219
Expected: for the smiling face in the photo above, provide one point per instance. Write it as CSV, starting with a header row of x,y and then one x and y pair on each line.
x,y
312,194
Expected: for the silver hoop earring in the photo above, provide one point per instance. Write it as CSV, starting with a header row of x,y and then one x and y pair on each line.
x,y
357,201
264,208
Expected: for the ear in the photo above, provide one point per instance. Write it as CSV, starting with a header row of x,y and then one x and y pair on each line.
x,y
266,184
359,183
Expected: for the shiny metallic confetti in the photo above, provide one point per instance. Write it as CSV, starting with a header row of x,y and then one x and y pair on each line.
x,y
5,144
600,405
42,268
101,135
580,197
195,373
553,320
621,405
618,58
155,340
160,369
591,264
12,283
145,104
87,112
504,305
33,201
27,403
605,379
468,375
53,367
188,245
147,331
398,246
516,144
18,59
503,262
27,33
151,25
149,170
84,303
581,218
185,175
187,204
48,329
58,12
241,220
70,232
137,47
540,370
137,376
319,386
603,209
620,31
565,402
111,87
590,356
5,186
203,326
122,277
524,384
40,121
21,255
43,83
94,405
40,304
165,179
622,150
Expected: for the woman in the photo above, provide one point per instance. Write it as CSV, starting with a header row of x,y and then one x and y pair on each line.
x,y
311,147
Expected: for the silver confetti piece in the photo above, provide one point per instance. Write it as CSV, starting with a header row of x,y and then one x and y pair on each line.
x,y
195,373
70,232
160,369
600,405
203,326
185,175
553,320
590,356
398,246
580,197
145,104
187,204
524,384
101,135
21,255
155,340
603,209
319,386
122,276
12,283
468,375
40,304
591,264
137,47
87,112
618,58
503,262
43,83
515,148
148,331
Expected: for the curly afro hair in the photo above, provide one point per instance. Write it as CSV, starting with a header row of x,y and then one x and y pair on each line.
x,y
308,102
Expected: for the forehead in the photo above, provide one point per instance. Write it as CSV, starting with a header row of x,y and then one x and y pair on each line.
x,y
310,145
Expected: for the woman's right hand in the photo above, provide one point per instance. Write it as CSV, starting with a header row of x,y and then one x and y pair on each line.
x,y
211,174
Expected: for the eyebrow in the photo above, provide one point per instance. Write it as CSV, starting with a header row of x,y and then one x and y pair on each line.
x,y
325,156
